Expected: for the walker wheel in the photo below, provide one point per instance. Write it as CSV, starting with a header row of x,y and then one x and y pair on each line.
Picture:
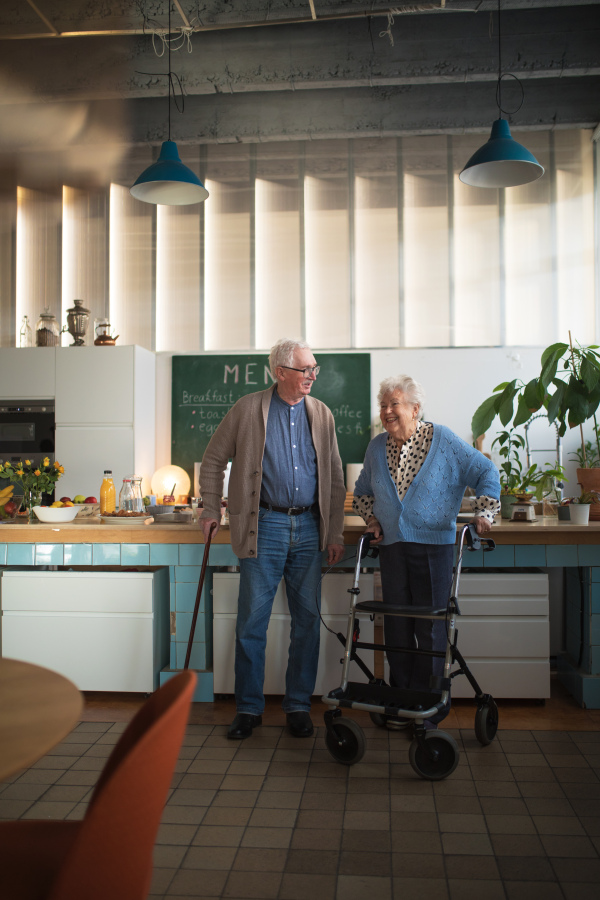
x,y
439,760
346,741
486,722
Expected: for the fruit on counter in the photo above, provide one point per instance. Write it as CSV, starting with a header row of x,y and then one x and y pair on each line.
x,y
6,493
10,507
68,503
57,504
79,498
65,500
90,500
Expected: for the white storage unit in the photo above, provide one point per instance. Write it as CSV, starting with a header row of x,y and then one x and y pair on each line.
x,y
335,603
504,634
105,415
27,373
106,631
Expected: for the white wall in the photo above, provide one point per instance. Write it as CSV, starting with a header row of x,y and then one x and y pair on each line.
x,y
456,381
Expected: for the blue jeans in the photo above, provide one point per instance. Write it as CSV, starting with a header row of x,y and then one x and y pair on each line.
x,y
288,548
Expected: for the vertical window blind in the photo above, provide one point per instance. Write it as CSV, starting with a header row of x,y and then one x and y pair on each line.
x,y
347,243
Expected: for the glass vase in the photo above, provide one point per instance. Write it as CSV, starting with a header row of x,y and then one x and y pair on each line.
x,y
32,497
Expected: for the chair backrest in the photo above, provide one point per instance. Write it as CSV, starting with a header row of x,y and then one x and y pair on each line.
x,y
111,858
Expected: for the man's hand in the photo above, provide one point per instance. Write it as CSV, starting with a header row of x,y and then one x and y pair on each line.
x,y
206,524
374,528
335,552
482,525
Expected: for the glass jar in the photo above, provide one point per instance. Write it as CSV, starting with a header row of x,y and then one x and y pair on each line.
x,y
47,332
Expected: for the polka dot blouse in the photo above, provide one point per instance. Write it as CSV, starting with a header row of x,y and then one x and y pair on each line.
x,y
405,463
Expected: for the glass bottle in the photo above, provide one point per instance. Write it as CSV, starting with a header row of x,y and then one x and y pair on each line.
x,y
107,493
25,334
47,332
125,496
136,493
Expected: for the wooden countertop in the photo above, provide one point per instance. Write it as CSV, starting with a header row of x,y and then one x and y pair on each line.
x,y
85,531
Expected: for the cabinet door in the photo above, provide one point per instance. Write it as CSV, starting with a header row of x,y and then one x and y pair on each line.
x,y
97,652
94,385
86,452
27,373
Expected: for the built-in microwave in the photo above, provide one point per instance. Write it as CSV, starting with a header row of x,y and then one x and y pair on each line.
x,y
26,430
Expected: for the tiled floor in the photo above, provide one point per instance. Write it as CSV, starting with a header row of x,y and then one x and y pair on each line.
x,y
276,817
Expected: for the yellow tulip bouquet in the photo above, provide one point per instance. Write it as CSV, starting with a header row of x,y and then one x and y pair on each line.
x,y
35,479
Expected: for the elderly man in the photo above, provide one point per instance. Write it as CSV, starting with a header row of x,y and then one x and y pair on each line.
x,y
286,504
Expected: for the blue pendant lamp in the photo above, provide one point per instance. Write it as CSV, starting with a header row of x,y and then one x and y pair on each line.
x,y
502,162
168,181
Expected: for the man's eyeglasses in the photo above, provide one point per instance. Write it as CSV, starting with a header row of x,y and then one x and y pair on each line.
x,y
307,372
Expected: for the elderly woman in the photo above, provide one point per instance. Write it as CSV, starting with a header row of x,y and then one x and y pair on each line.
x,y
409,494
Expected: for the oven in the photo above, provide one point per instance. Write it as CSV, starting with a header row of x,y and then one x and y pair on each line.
x,y
27,431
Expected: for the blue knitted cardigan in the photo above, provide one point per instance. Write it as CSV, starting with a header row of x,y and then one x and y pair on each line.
x,y
427,515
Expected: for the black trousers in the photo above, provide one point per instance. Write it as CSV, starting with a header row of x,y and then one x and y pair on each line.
x,y
416,575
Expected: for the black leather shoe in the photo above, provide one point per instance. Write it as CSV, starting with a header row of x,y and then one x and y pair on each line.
x,y
300,724
242,726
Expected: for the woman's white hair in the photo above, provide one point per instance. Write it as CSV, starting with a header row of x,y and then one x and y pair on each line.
x,y
282,353
412,390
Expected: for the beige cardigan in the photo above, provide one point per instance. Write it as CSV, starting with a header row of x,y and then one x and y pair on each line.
x,y
241,437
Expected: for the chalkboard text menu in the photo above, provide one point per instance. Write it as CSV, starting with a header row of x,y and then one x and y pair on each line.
x,y
206,387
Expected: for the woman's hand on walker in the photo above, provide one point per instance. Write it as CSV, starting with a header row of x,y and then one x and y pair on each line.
x,y
482,525
374,528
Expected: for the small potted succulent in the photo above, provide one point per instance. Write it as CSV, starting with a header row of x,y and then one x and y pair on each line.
x,y
579,507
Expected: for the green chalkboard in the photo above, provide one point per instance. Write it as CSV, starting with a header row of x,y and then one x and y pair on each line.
x,y
206,387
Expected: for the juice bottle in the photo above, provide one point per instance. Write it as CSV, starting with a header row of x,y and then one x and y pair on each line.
x,y
107,493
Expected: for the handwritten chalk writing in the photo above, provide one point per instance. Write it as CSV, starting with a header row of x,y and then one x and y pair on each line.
x,y
350,429
231,370
345,412
268,376
210,398
249,373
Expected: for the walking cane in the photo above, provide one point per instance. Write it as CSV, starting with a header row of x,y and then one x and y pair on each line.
x,y
213,527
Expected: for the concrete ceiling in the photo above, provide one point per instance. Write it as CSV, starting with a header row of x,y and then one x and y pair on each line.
x,y
84,72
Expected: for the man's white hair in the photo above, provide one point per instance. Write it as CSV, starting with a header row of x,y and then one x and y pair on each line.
x,y
282,354
412,390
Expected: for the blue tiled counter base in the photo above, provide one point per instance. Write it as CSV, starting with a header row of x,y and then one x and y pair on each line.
x,y
580,676
579,665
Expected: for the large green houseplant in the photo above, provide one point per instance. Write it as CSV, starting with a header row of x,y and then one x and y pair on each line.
x,y
567,388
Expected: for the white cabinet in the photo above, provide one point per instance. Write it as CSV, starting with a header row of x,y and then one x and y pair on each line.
x,y
335,603
27,373
96,384
105,415
106,631
504,634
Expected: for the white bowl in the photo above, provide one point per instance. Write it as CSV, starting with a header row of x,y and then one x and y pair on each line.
x,y
55,513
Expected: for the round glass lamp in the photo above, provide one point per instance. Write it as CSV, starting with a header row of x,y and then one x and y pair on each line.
x,y
167,476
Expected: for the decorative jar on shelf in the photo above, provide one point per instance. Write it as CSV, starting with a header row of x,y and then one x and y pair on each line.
x,y
47,332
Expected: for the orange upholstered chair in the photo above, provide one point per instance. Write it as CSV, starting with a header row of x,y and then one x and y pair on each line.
x,y
107,855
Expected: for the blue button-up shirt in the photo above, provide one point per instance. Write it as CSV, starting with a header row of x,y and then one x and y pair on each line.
x,y
289,461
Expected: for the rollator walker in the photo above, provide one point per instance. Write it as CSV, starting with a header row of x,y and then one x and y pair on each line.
x,y
433,754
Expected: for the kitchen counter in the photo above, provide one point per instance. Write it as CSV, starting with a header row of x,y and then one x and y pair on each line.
x,y
89,543
546,530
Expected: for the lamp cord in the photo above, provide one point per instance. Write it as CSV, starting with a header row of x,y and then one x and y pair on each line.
x,y
501,75
172,78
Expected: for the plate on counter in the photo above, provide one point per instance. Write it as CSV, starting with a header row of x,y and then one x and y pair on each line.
x,y
130,521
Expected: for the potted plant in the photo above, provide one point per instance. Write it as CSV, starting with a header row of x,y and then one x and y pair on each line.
x,y
568,388
514,481
579,507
